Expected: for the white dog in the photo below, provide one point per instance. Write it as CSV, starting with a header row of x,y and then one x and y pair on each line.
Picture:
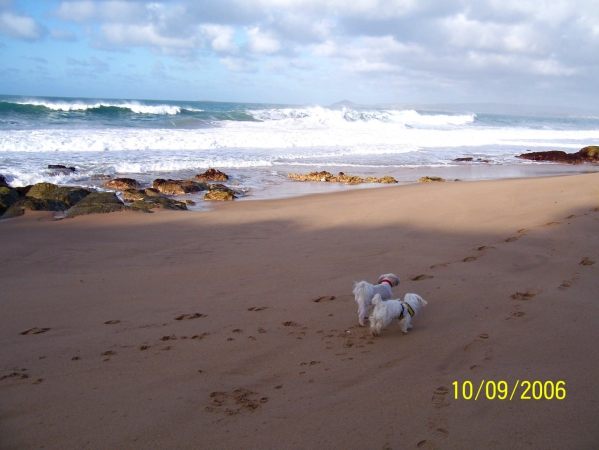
x,y
385,311
364,292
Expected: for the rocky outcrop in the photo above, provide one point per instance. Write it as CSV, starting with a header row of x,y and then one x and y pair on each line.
x,y
587,154
3,182
341,178
8,197
40,190
149,203
431,179
178,187
96,202
120,184
61,167
219,196
212,175
133,195
68,195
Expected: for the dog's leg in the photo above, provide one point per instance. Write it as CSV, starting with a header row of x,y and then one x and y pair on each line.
x,y
362,312
404,325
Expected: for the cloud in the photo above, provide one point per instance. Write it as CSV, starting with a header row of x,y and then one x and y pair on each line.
x,y
20,26
262,42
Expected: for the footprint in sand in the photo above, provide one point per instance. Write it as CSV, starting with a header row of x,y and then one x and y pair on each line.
x,y
517,314
474,344
512,239
551,224
235,402
189,316
111,322
477,368
427,444
522,296
586,262
34,331
290,323
257,308
439,397
421,277
469,259
326,298
568,283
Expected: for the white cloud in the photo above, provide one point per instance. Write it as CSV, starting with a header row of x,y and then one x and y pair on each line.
x,y
220,37
238,65
112,11
20,26
262,42
144,35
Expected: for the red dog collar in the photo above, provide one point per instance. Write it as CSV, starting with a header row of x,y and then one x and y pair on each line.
x,y
384,280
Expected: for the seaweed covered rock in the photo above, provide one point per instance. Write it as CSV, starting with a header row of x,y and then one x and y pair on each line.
x,y
40,190
212,175
216,195
431,179
69,195
8,197
586,154
12,212
149,203
341,178
96,202
41,204
121,184
178,187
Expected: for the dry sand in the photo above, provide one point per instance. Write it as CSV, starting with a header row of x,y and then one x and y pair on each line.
x,y
93,354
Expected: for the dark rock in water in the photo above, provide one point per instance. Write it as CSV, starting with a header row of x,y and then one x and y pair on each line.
x,y
219,196
587,154
151,192
100,177
178,187
464,159
60,166
121,184
8,197
69,195
212,175
40,190
3,182
149,203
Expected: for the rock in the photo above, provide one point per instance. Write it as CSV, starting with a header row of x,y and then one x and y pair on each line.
x,y
148,203
23,190
100,198
120,184
61,167
178,187
69,195
430,179
586,154
464,159
100,177
219,196
188,202
8,197
133,195
13,211
212,175
3,182
341,178
41,204
151,192
40,190
96,202
94,208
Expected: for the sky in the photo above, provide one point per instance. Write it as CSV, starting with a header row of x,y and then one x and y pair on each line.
x,y
530,52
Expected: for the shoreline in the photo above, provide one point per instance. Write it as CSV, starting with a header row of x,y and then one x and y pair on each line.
x,y
238,329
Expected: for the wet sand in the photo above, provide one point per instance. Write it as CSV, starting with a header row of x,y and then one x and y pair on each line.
x,y
236,328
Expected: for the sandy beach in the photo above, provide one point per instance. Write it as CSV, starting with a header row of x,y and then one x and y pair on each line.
x,y
237,327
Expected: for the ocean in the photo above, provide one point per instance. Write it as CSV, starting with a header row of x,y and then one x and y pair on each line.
x,y
259,144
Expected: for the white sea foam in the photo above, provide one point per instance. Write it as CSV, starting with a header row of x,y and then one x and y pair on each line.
x,y
134,107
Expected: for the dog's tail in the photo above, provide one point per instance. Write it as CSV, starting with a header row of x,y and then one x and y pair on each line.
x,y
377,300
415,298
363,290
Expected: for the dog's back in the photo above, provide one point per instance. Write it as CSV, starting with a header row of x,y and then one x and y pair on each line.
x,y
363,291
